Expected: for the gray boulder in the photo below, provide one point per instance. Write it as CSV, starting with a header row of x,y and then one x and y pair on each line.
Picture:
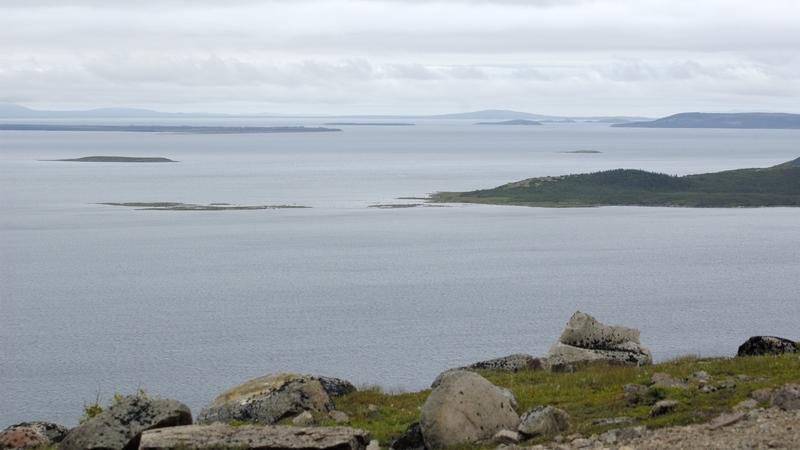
x,y
120,426
510,363
543,421
586,341
463,408
221,436
663,407
336,386
766,345
786,397
268,399
32,435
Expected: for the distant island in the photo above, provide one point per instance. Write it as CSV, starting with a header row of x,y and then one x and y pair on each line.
x,y
715,120
175,206
512,122
370,124
164,129
584,152
117,159
773,186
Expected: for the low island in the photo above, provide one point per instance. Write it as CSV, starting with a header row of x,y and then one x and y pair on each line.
x,y
522,122
773,186
117,159
176,206
163,129
720,120
370,124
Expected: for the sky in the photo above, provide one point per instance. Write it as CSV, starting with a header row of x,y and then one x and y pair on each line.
x,y
561,57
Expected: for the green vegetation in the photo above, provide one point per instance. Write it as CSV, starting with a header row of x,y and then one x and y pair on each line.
x,y
594,393
774,186
92,409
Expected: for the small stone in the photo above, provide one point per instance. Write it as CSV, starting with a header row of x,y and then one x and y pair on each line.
x,y
626,434
543,421
701,375
663,407
411,439
609,437
506,437
631,388
304,419
725,420
339,417
745,405
761,395
371,408
582,443
32,434
787,397
613,420
373,445
661,379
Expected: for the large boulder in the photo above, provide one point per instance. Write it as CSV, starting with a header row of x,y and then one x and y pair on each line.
x,y
268,399
766,345
586,341
121,426
464,407
510,363
222,436
32,435
543,421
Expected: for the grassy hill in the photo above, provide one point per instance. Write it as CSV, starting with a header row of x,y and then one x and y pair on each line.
x,y
774,186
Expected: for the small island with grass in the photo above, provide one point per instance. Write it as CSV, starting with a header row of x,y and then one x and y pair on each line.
x,y
117,159
772,186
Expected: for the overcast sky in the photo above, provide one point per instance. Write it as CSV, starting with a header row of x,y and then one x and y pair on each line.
x,y
646,57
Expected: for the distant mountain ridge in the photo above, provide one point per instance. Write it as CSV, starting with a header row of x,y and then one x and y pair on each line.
x,y
721,120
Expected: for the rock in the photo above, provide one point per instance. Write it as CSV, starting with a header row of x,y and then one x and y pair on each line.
x,y
374,445
725,420
631,388
339,417
304,419
614,421
411,439
32,435
582,443
122,424
586,341
661,379
543,421
372,408
744,405
268,399
787,397
219,436
511,363
506,437
627,434
336,386
762,395
663,407
701,376
464,407
766,345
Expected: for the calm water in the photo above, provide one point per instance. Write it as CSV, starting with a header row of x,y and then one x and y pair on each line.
x,y
184,304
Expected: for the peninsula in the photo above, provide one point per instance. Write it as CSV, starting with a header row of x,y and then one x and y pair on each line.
x,y
117,159
163,128
522,122
773,186
713,120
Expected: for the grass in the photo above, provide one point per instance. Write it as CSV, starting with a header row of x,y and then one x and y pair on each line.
x,y
590,394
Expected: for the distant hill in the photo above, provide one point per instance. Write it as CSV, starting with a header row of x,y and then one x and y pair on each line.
x,y
774,186
11,111
161,128
523,122
719,120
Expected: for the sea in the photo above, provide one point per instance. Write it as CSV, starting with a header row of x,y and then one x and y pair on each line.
x,y
98,299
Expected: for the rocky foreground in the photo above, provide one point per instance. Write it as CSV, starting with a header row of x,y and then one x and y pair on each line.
x,y
595,388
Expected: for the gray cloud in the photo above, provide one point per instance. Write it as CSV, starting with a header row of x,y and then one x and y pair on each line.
x,y
618,56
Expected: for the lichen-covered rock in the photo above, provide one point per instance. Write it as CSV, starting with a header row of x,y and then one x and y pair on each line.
x,y
510,363
586,341
221,436
663,407
661,379
336,386
766,345
464,407
506,437
304,419
411,439
268,399
120,426
543,421
32,435
786,397
339,417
